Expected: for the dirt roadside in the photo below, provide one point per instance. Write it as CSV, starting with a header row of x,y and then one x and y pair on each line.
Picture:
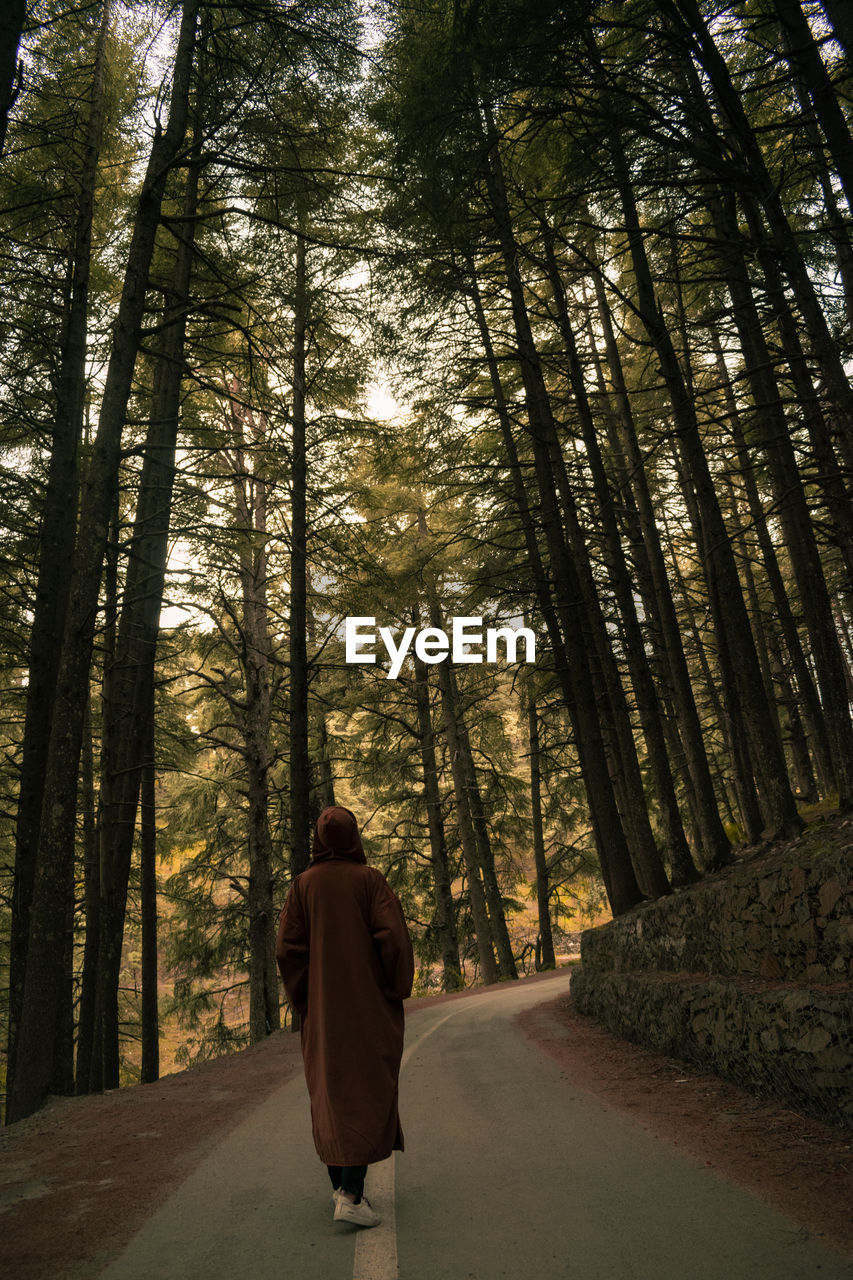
x,y
795,1162
79,1178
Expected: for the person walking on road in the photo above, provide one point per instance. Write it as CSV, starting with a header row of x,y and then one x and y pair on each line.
x,y
346,960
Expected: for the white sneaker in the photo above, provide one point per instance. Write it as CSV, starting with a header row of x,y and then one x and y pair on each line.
x,y
360,1215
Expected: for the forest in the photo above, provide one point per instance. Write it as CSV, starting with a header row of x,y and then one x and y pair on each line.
x,y
529,312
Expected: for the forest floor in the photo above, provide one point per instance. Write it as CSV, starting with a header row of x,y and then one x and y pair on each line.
x,y
80,1177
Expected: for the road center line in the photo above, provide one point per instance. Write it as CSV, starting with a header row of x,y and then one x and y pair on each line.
x,y
417,1043
376,1247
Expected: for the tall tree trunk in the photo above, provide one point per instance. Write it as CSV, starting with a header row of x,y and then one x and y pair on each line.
x,y
11,70
476,894
572,567
322,770
804,56
91,907
128,708
839,15
746,770
38,1043
757,611
485,853
727,708
731,621
543,887
759,625
791,505
638,568
830,666
731,250
90,1074
148,906
684,870
839,233
251,496
559,602
790,714
56,546
829,474
486,903
445,921
709,828
755,176
300,778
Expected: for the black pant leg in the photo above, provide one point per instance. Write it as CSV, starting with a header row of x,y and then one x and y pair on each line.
x,y
352,1179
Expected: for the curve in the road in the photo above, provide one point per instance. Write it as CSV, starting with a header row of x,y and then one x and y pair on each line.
x,y
510,1170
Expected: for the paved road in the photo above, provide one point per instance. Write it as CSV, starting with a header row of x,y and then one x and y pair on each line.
x,y
510,1171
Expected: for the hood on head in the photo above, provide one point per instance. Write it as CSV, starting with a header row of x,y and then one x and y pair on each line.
x,y
337,834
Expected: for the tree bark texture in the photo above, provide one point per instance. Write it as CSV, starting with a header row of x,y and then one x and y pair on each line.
x,y
476,894
559,606
684,870
731,621
127,709
567,550
11,70
38,1043
710,833
56,546
148,906
445,914
300,774
543,889
804,55
799,540
251,497
754,176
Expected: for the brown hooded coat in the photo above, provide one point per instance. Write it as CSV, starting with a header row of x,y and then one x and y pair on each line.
x,y
345,955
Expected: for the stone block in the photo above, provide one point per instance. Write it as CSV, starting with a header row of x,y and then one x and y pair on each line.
x,y
834,1059
829,896
813,1041
769,967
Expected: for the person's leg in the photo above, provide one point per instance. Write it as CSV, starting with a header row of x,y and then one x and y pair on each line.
x,y
352,1181
351,1205
335,1175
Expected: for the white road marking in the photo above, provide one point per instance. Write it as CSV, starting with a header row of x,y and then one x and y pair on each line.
x,y
416,1045
376,1247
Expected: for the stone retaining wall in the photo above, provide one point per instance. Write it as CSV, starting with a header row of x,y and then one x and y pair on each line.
x,y
793,1044
792,920
748,975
